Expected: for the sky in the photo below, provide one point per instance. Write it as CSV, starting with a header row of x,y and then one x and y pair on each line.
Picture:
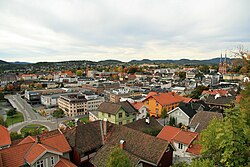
x,y
61,30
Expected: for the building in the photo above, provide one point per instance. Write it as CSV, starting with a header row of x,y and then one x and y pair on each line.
x,y
201,120
118,113
182,114
34,96
223,65
5,141
155,102
219,101
142,149
42,151
183,141
78,104
190,75
142,110
28,77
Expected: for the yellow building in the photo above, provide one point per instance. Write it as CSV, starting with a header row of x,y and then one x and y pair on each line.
x,y
157,101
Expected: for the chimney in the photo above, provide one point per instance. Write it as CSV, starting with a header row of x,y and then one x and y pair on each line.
x,y
105,126
38,140
147,120
122,144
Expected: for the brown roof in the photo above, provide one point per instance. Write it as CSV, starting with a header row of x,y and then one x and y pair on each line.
x,y
142,126
101,157
113,108
201,120
86,137
140,145
5,136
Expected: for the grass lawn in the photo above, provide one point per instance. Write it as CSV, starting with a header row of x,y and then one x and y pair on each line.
x,y
18,117
84,119
33,127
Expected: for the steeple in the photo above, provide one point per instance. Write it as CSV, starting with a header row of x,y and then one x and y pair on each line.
x,y
225,60
221,57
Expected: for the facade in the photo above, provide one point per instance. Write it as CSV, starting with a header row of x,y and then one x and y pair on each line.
x,y
183,141
182,114
77,104
117,113
28,77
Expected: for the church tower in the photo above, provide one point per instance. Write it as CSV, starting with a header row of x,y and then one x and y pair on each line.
x,y
223,65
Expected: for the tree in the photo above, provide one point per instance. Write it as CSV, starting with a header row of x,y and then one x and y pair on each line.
x,y
182,75
164,115
79,73
58,113
202,163
15,135
244,102
2,122
118,158
227,142
204,69
197,91
172,121
11,112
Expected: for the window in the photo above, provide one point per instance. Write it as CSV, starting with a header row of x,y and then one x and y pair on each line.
x,y
102,114
156,110
120,115
109,115
157,103
40,163
52,160
147,102
180,146
120,123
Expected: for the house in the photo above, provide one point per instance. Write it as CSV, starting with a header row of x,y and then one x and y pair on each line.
x,y
142,110
147,125
182,114
184,143
142,149
201,120
155,102
200,105
5,141
221,102
85,140
28,77
118,113
42,151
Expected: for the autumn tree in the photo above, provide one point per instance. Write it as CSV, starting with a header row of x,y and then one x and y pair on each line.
x,y
118,158
79,73
226,142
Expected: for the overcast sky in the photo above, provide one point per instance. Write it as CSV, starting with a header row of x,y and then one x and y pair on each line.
x,y
57,30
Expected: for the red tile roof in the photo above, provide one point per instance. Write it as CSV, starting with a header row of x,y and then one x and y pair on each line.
x,y
137,105
214,92
165,98
65,163
5,136
174,134
29,150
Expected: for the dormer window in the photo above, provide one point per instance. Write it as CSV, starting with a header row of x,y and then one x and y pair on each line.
x,y
40,163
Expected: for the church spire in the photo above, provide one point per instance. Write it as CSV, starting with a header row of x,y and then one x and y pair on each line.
x,y
221,57
225,60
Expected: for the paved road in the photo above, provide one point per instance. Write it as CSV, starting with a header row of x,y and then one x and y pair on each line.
x,y
31,117
25,108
